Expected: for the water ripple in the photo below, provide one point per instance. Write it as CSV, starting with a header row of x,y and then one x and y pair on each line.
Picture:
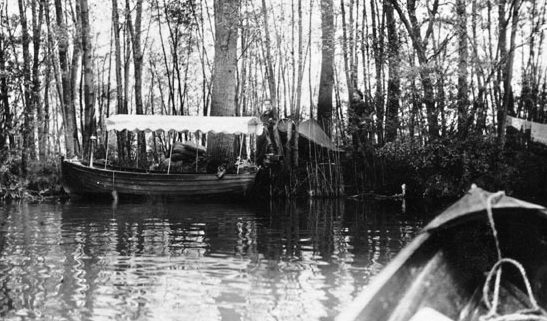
x,y
190,261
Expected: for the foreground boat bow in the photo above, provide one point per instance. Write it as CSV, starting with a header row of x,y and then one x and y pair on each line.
x,y
441,274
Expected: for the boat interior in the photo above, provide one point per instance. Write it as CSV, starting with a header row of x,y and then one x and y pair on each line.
x,y
441,275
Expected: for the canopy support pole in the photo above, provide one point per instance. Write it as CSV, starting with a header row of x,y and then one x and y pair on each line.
x,y
240,151
170,154
106,155
196,136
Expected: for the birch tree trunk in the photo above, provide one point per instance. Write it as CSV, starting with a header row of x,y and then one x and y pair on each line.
x,y
37,20
75,72
89,85
270,75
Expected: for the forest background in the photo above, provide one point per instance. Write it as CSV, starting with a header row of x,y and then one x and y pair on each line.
x,y
441,76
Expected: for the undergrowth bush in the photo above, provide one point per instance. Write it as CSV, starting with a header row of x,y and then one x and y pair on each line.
x,y
42,179
447,167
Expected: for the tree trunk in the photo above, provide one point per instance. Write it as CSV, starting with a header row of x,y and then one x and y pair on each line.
x,y
502,47
121,136
426,74
69,114
89,129
300,67
5,112
378,46
506,57
220,146
345,50
28,112
137,63
270,75
37,20
463,101
75,71
394,80
326,81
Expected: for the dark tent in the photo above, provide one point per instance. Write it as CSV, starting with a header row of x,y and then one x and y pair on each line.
x,y
311,130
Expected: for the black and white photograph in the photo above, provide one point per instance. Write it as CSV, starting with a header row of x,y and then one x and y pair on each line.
x,y
273,160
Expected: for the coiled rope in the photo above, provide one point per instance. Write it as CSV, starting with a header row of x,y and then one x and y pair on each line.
x,y
535,313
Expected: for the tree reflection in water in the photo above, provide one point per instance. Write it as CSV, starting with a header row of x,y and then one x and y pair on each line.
x,y
286,261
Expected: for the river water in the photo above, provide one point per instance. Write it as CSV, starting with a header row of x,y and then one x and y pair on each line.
x,y
193,261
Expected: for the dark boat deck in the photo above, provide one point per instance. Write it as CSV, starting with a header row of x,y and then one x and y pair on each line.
x,y
445,269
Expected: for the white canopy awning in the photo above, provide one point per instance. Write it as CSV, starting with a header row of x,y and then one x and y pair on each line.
x,y
215,124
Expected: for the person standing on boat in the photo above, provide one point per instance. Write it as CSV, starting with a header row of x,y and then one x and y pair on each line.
x,y
360,119
267,149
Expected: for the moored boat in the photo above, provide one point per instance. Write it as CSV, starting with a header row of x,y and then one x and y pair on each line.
x,y
483,258
88,180
83,180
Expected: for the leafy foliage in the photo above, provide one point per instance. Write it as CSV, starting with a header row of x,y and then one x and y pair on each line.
x,y
43,178
12,186
446,167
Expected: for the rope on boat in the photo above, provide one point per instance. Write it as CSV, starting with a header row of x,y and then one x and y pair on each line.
x,y
531,314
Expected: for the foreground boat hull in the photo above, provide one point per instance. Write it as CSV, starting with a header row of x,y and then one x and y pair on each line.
x,y
440,275
82,180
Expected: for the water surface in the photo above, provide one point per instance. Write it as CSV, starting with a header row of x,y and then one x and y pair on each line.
x,y
184,261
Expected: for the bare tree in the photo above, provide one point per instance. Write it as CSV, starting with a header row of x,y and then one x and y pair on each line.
x,y
419,44
90,124
37,21
270,75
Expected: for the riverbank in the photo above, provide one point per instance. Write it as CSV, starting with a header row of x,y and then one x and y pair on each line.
x,y
446,168
439,171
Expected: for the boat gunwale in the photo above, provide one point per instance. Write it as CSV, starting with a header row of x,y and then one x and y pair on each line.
x,y
129,171
360,302
442,222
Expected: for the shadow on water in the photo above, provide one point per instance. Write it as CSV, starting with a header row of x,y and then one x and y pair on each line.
x,y
156,260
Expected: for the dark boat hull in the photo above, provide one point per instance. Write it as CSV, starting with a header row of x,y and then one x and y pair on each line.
x,y
444,268
82,180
